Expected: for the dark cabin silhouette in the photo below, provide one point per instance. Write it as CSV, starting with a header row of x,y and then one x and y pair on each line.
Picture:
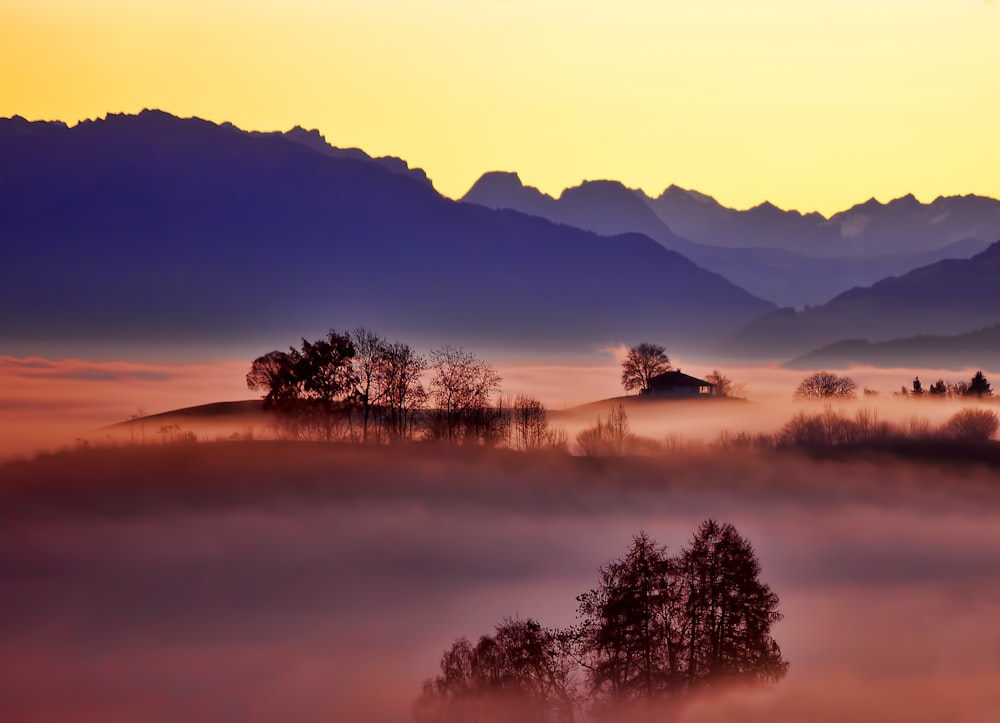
x,y
676,384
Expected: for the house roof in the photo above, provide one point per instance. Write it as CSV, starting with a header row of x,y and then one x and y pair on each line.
x,y
668,380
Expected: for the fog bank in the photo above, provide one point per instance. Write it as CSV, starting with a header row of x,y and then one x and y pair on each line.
x,y
277,581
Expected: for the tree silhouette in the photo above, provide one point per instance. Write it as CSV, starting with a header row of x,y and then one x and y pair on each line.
x,y
626,640
369,356
606,438
938,388
327,375
401,374
724,386
979,386
519,673
728,612
461,389
826,385
530,423
643,362
274,373
655,626
309,386
661,625
971,425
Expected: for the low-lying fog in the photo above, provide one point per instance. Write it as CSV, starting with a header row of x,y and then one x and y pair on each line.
x,y
280,581
48,404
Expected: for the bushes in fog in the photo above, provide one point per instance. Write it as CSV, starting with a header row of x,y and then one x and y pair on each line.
x,y
833,427
971,425
655,628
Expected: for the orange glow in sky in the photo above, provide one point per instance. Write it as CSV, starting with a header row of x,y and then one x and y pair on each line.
x,y
814,106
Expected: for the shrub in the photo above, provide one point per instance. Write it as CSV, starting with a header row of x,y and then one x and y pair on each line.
x,y
971,425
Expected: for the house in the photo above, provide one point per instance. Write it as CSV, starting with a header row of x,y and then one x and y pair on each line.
x,y
676,385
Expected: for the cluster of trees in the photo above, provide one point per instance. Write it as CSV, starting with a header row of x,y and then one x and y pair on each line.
x,y
356,382
827,385
655,628
361,387
978,386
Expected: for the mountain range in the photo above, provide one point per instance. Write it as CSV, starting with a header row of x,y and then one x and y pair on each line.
x,y
786,257
980,348
150,229
946,298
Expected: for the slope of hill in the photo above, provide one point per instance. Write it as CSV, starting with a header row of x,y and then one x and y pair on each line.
x,y
786,258
152,229
944,298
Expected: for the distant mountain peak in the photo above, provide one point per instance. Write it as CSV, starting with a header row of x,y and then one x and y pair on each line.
x,y
908,200
501,180
304,136
678,192
504,189
600,190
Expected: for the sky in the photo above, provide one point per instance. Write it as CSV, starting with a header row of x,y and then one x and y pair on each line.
x,y
811,105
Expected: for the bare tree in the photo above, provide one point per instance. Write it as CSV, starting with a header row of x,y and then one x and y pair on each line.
x,y
724,386
369,358
401,379
826,385
530,423
461,387
643,362
606,438
971,425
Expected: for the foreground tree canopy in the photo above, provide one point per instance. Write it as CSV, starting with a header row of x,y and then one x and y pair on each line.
x,y
655,628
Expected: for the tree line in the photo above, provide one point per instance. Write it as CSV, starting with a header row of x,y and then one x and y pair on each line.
x,y
361,387
827,385
656,628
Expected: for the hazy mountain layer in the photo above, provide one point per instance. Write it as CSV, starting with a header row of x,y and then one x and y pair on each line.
x,y
787,258
153,229
979,348
945,298
870,229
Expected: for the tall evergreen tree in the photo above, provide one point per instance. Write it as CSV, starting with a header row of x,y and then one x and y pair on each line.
x,y
979,386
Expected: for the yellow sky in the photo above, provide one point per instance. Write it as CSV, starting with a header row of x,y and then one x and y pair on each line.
x,y
812,104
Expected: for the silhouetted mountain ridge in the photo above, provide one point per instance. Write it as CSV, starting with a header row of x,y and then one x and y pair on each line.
x,y
945,298
155,229
783,256
980,348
